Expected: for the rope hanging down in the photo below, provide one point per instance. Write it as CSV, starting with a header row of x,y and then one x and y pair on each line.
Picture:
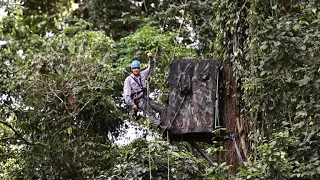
x,y
274,8
149,150
181,22
235,37
236,148
147,84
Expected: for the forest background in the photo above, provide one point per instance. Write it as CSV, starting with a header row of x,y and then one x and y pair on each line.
x,y
63,64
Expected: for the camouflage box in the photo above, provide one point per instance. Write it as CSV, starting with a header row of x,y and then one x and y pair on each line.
x,y
193,111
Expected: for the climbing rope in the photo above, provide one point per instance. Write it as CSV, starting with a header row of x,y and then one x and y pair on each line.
x,y
168,155
173,55
149,154
147,86
147,98
217,118
235,37
181,22
274,10
236,148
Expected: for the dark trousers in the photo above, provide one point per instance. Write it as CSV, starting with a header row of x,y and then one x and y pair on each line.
x,y
150,108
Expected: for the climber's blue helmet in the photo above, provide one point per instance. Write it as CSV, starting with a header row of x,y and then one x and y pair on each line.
x,y
135,64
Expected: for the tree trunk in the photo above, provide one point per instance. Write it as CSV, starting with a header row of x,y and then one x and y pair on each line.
x,y
234,123
230,117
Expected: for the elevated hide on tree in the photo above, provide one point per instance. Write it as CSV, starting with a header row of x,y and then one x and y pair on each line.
x,y
193,111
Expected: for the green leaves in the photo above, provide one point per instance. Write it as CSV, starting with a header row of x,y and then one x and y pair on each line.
x,y
304,81
68,87
287,95
63,89
264,47
133,162
296,27
63,79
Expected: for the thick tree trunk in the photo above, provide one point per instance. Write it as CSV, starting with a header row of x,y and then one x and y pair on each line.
x,y
234,124
229,117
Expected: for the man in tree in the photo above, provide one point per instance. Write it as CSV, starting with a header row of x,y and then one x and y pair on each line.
x,y
136,95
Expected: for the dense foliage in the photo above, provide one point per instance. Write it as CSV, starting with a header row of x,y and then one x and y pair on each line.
x,y
62,68
280,81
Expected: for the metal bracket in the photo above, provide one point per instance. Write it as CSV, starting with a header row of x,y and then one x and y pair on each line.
x,y
203,154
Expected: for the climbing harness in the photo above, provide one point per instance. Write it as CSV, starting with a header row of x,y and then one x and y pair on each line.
x,y
138,95
139,84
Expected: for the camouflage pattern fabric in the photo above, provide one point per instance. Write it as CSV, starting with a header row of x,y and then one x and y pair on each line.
x,y
192,96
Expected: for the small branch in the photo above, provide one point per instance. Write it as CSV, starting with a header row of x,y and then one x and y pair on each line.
x,y
90,83
85,105
56,94
15,132
60,100
19,136
7,139
145,6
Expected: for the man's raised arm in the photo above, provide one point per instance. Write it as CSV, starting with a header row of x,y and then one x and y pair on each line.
x,y
147,71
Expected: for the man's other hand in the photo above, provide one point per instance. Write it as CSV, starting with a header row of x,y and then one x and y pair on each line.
x,y
150,54
134,107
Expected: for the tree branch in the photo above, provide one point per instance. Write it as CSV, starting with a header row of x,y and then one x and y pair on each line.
x,y
15,132
6,139
19,136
